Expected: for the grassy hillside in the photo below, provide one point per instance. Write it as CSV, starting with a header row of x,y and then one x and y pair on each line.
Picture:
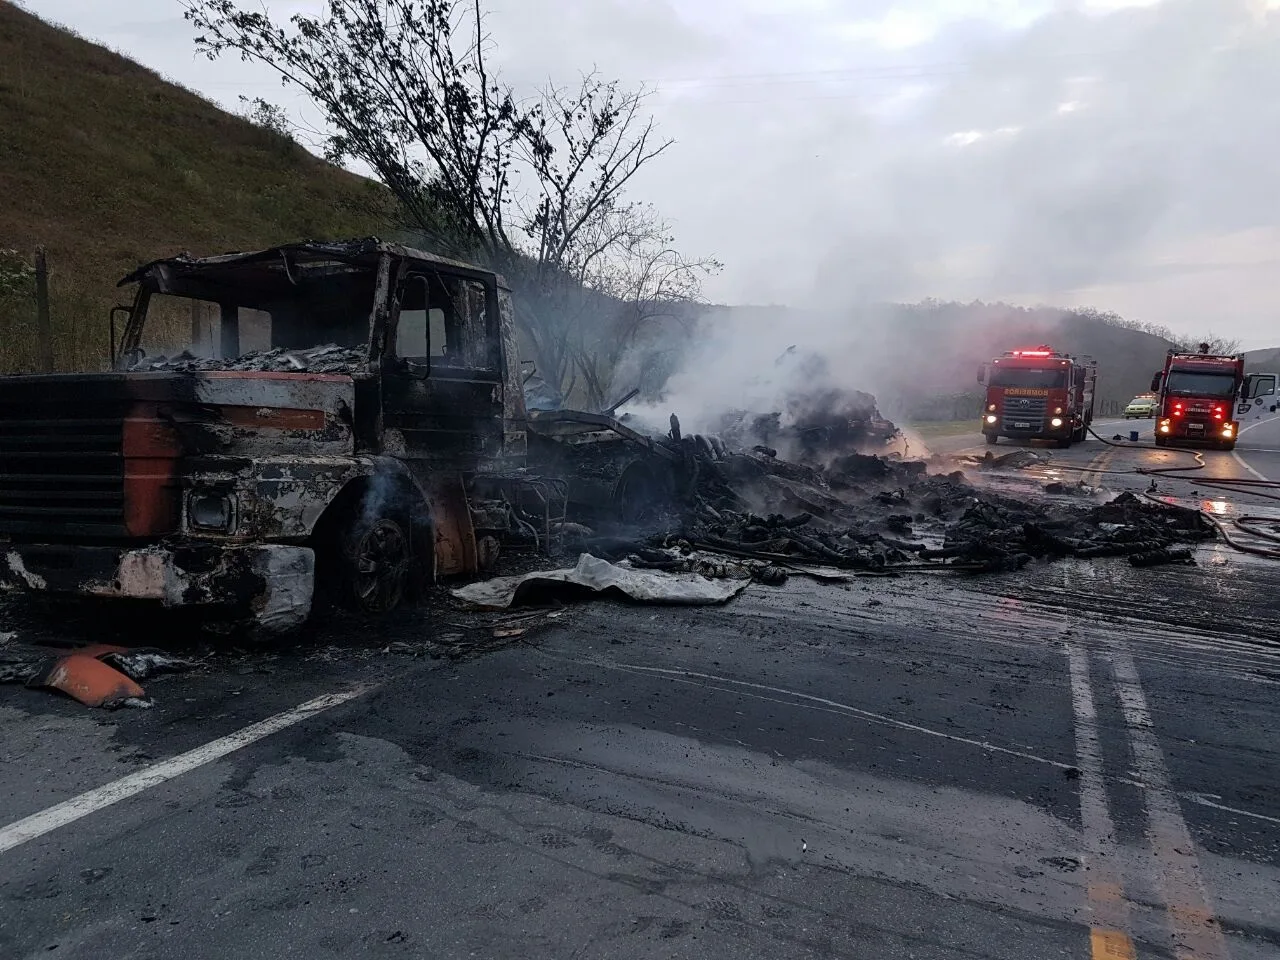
x,y
107,165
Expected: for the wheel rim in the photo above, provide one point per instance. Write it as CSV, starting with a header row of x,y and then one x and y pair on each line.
x,y
380,566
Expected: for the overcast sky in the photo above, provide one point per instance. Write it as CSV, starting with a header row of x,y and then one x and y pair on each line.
x,y
1117,153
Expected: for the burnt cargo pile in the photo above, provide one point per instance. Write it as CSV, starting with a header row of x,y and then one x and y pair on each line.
x,y
877,512
1009,534
814,427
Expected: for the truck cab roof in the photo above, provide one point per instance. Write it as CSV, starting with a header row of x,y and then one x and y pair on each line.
x,y
359,253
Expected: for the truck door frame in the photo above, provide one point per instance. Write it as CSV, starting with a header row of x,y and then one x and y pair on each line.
x,y
1262,396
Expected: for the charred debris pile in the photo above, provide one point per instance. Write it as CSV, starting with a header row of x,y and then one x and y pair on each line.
x,y
837,504
329,358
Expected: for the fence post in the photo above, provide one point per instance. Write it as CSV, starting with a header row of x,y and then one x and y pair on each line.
x,y
44,335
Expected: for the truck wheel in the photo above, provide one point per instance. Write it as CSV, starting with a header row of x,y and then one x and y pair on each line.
x,y
1063,443
1228,444
643,492
375,559
1161,441
991,438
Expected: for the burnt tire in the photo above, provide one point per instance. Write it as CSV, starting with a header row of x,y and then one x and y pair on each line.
x,y
644,492
374,563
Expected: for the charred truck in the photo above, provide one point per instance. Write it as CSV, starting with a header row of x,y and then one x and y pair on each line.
x,y
347,414
1038,394
1200,397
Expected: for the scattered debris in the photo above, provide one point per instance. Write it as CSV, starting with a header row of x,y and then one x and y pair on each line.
x,y
1017,460
1162,555
593,576
84,677
99,675
1006,534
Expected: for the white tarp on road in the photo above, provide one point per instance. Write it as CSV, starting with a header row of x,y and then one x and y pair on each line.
x,y
595,576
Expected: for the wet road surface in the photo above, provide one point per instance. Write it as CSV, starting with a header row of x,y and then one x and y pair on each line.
x,y
1078,760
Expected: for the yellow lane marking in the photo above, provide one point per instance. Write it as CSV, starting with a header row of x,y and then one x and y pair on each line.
x,y
1111,945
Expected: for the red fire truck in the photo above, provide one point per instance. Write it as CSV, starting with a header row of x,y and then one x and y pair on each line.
x,y
1038,394
1197,398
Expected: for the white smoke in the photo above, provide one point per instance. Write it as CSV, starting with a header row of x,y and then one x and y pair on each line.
x,y
762,360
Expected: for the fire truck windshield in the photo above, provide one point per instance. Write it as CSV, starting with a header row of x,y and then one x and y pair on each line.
x,y
1194,383
1044,378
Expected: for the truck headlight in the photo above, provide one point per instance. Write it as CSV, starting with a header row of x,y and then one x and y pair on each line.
x,y
1055,422
1057,410
1164,426
210,511
991,407
1227,430
991,418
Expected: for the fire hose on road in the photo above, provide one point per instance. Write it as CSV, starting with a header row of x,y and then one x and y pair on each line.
x,y
1248,523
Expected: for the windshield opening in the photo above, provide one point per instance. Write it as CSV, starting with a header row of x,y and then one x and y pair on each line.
x,y
1197,384
223,314
1043,378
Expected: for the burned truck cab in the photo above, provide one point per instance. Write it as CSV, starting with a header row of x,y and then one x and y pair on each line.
x,y
308,413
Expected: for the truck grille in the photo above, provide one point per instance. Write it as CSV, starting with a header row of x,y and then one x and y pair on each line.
x,y
1024,414
61,475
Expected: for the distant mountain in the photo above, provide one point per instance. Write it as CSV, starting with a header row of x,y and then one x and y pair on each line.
x,y
961,336
920,360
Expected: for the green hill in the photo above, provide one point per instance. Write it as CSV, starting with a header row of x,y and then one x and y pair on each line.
x,y
107,165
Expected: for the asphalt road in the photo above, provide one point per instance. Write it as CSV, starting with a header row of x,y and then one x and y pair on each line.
x,y
1078,760
1114,467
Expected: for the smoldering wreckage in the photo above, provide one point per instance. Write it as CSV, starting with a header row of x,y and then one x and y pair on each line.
x,y
355,416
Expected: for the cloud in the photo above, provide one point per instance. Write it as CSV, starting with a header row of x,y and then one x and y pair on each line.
x,y
828,149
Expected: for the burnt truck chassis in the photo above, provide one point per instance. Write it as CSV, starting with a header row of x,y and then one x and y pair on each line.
x,y
237,483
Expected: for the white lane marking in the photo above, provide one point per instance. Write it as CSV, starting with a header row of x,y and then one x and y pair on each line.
x,y
1207,800
38,824
1108,906
1196,932
1240,460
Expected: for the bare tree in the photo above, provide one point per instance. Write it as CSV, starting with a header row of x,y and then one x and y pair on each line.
x,y
646,285
528,185
1209,343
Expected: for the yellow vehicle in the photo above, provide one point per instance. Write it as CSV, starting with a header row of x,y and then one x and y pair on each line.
x,y
1143,405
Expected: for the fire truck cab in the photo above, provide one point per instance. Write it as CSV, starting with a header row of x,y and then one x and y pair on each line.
x,y
1205,398
1038,394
